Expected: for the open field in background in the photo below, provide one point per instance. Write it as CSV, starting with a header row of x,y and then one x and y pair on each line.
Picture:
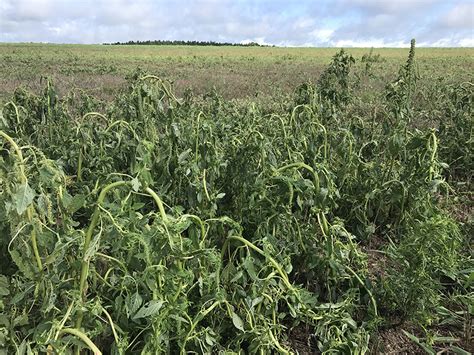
x,y
236,72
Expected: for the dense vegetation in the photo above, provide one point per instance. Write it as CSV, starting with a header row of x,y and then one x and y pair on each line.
x,y
157,224
184,43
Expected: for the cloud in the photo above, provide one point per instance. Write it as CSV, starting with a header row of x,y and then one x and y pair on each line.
x,y
376,43
321,35
281,22
466,42
387,6
453,27
461,16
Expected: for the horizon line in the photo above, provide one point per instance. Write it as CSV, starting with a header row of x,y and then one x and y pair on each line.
x,y
224,44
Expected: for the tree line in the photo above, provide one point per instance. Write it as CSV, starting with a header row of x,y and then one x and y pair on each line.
x,y
185,43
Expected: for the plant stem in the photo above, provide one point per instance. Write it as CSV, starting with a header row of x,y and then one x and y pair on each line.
x,y
29,210
87,240
84,338
159,203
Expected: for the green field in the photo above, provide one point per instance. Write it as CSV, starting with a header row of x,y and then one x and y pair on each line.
x,y
236,72
214,200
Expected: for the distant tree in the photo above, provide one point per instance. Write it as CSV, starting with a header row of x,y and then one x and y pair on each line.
x,y
160,42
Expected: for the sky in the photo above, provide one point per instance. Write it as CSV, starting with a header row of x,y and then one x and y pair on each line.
x,y
321,23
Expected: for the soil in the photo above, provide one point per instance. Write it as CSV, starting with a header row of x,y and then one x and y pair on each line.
x,y
394,341
388,341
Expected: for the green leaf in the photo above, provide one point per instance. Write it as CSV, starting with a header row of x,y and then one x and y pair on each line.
x,y
20,320
73,203
236,277
4,289
19,296
458,351
182,157
250,268
178,318
176,131
136,184
23,197
4,321
416,340
445,339
210,340
470,280
238,323
148,310
22,348
24,264
256,301
42,205
93,247
134,303
137,205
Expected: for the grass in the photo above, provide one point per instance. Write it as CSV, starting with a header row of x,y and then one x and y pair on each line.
x,y
236,72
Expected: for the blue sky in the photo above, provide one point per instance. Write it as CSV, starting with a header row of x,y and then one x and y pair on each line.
x,y
338,23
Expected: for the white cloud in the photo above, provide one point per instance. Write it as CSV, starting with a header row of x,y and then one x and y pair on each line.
x,y
33,9
304,23
443,42
118,12
466,42
461,15
376,43
389,6
280,22
321,35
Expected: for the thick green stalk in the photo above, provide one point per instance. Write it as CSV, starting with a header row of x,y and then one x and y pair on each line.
x,y
29,210
434,150
90,230
305,166
159,203
204,184
84,338
196,146
95,114
325,151
87,241
166,89
277,344
195,322
18,153
372,299
272,261
16,110
79,165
